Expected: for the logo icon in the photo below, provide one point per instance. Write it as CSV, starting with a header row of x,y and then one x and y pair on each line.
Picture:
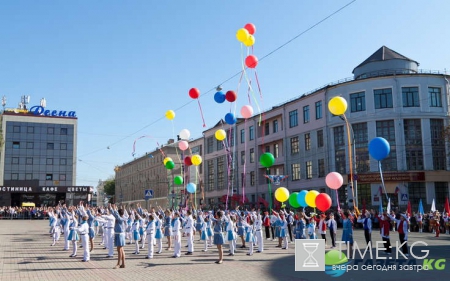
x,y
309,255
335,263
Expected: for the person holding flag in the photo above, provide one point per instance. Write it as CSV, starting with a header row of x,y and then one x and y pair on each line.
x,y
367,225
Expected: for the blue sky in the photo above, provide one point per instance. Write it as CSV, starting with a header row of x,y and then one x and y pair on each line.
x,y
122,64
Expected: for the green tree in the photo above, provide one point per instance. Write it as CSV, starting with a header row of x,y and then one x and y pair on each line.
x,y
110,187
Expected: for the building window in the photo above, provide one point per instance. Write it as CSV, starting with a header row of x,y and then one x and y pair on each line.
x,y
63,161
320,138
49,161
16,145
49,177
416,192
275,150
252,155
275,126
413,144
63,146
358,102
338,136
230,137
63,131
252,178
14,176
319,110
211,175
219,145
50,145
242,136
306,114
209,145
321,164
16,129
15,160
383,98
295,171
435,96
50,130
441,191
251,132
361,151
364,193
62,177
438,144
410,96
242,157
29,161
307,141
30,145
30,130
309,169
340,161
293,119
294,145
220,172
28,176
267,149
266,129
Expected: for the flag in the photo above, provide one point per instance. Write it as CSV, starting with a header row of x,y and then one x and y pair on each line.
x,y
380,212
408,209
447,206
388,208
421,207
433,206
397,190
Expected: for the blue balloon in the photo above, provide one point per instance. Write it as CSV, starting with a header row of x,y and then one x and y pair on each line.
x,y
379,148
230,118
191,187
301,198
219,97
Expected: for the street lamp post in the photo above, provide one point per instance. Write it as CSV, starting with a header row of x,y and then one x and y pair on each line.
x,y
352,158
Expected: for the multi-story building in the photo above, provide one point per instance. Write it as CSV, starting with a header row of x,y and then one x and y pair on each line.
x,y
38,157
388,97
149,173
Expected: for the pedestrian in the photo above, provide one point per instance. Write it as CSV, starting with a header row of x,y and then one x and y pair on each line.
x,y
385,225
290,222
266,224
332,225
322,225
367,226
121,216
402,228
347,231
218,235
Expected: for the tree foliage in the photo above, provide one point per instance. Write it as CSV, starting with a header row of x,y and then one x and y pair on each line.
x,y
110,187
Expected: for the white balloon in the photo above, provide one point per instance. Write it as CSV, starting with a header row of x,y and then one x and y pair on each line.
x,y
185,134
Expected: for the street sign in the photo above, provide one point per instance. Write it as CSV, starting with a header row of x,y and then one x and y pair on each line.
x,y
404,197
148,194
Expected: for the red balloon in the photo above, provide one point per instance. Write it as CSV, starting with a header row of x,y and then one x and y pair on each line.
x,y
187,161
230,96
194,93
323,202
250,28
251,61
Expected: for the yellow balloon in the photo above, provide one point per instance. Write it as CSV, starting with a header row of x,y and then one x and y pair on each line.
x,y
310,198
337,105
167,159
242,35
250,41
170,114
282,194
196,160
220,135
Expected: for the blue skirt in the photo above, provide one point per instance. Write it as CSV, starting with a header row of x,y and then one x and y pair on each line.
x,y
347,237
209,232
204,235
91,233
141,231
158,234
240,231
299,234
218,239
249,237
167,231
136,235
119,239
73,235
230,235
277,232
283,233
95,223
198,227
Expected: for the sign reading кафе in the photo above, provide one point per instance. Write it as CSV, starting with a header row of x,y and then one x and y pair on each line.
x,y
46,189
390,177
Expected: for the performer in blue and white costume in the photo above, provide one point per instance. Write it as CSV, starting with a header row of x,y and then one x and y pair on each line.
x,y
204,221
198,223
284,229
230,233
189,232
258,231
73,235
135,231
159,234
249,234
240,228
168,227
218,235
176,228
83,229
56,227
300,226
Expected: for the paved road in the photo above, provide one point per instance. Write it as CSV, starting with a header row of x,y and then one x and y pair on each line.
x,y
26,254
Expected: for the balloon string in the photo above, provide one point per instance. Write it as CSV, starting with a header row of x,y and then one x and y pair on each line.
x,y
201,113
262,100
382,179
245,164
228,170
337,199
248,81
350,158
270,194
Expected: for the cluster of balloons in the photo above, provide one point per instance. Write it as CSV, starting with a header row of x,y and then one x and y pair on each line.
x,y
168,163
245,34
195,160
304,198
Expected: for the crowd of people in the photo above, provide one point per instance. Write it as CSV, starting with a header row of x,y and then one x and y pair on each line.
x,y
9,212
143,228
